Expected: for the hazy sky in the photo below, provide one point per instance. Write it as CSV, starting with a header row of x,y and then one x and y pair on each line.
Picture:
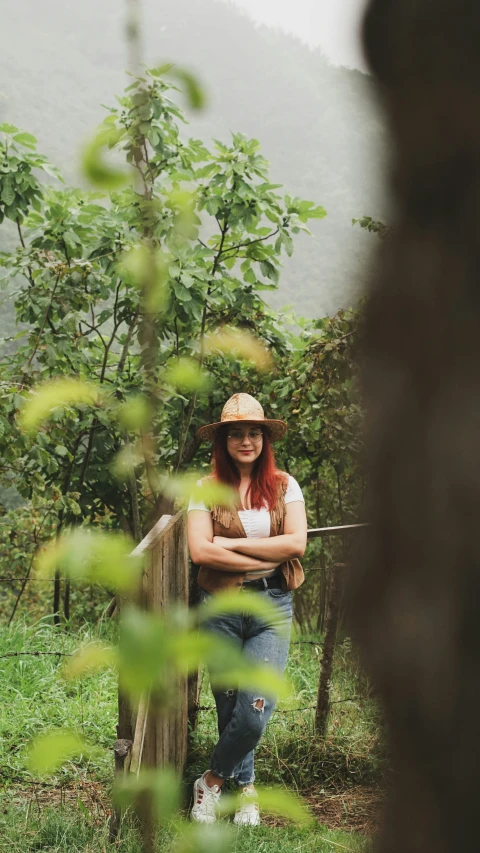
x,y
332,24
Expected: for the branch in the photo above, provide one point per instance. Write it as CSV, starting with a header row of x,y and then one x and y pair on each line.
x,y
128,341
22,241
30,565
20,234
43,323
249,243
193,401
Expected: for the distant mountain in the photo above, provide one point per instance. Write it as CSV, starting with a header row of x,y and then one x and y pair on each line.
x,y
317,124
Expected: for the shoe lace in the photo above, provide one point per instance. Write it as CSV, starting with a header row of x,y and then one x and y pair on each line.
x,y
248,802
209,797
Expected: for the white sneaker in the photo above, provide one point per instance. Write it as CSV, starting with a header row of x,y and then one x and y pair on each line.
x,y
205,801
248,812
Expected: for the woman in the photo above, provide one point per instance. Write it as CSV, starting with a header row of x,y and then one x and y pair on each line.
x,y
254,547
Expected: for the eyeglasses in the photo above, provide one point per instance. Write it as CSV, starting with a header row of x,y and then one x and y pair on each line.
x,y
236,437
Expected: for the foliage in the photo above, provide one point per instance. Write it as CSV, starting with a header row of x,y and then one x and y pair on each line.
x,y
20,189
217,228
288,754
379,228
129,304
79,827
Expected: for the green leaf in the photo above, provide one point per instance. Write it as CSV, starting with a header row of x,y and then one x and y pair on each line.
x,y
96,170
238,343
208,838
8,128
193,90
211,492
25,139
160,788
244,602
89,556
273,801
8,191
49,751
288,243
142,652
147,268
136,413
317,213
91,658
53,395
250,276
186,375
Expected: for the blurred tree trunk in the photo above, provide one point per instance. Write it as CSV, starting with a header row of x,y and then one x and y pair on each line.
x,y
415,594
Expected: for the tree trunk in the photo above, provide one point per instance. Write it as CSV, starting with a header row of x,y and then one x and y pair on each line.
x,y
56,599
326,666
66,601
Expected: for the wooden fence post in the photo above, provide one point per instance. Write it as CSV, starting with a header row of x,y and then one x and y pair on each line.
x,y
157,738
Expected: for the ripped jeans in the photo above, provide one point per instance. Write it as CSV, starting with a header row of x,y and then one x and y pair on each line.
x,y
242,715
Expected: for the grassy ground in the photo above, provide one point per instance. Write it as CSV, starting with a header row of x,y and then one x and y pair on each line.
x,y
71,812
22,830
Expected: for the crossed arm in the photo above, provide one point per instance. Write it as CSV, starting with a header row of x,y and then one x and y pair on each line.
x,y
246,555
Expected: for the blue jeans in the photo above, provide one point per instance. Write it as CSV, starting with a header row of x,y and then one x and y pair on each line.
x,y
242,715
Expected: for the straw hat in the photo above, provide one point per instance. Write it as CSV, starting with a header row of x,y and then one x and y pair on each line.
x,y
243,407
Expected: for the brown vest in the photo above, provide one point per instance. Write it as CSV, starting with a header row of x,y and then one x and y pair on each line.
x,y
226,522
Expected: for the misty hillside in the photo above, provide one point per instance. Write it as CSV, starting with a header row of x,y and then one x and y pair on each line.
x,y
60,60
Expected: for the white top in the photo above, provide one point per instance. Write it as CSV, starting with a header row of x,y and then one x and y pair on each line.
x,y
256,522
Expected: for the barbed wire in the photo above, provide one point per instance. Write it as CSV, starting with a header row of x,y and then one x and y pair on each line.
x,y
296,710
36,654
49,580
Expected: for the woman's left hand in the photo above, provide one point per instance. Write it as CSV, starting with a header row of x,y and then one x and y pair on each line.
x,y
225,542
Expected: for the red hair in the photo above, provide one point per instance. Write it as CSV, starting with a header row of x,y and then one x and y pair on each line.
x,y
263,484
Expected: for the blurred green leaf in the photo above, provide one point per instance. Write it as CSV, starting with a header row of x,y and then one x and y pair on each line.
x,y
273,801
186,375
208,838
49,751
55,394
95,168
136,413
239,344
26,139
91,658
247,674
148,270
242,602
159,788
186,486
86,555
8,128
191,86
142,651
126,460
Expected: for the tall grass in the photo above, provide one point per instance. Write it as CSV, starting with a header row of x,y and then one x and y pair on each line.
x,y
291,753
34,697
23,829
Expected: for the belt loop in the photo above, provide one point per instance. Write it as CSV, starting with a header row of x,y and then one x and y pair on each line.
x,y
265,584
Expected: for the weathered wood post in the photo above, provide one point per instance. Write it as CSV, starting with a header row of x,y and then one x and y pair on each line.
x,y
156,737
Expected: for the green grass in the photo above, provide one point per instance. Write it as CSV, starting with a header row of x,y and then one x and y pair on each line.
x,y
23,829
290,752
34,698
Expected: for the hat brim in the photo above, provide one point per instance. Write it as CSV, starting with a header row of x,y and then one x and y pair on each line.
x,y
276,429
